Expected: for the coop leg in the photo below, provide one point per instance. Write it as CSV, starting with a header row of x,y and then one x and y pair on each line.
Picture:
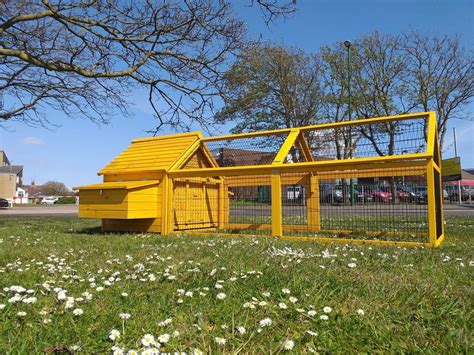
x,y
312,205
277,228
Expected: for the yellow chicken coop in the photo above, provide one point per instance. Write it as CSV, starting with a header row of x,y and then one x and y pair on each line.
x,y
371,180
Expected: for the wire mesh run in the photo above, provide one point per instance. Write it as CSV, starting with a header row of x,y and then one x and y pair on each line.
x,y
388,204
374,185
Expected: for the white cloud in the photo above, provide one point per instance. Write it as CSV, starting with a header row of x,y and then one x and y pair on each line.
x,y
32,141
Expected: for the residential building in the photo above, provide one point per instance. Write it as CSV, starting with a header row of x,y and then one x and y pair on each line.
x,y
11,180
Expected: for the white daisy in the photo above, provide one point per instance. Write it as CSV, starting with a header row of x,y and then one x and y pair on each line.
x,y
327,309
221,296
288,344
125,316
265,322
282,305
148,340
114,335
293,299
220,341
78,312
241,330
164,338
360,312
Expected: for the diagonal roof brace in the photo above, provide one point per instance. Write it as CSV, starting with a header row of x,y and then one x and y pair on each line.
x,y
286,146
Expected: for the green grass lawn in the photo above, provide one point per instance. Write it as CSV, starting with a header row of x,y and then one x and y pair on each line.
x,y
254,295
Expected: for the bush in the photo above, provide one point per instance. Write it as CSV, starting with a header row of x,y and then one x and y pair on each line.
x,y
66,200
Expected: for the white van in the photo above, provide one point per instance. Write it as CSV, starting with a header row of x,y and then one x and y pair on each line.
x,y
50,200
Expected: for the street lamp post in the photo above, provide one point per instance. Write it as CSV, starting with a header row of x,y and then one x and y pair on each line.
x,y
348,46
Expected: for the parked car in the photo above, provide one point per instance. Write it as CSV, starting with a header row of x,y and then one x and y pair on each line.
x,y
466,190
445,194
50,200
381,194
4,203
405,194
421,194
330,193
363,193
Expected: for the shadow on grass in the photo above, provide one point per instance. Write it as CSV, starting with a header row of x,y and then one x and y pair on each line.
x,y
88,231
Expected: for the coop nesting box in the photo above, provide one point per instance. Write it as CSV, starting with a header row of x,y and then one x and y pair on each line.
x,y
136,194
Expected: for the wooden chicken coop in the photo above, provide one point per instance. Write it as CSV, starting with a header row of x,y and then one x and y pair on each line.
x,y
363,181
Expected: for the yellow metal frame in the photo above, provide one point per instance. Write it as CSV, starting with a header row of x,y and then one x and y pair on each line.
x,y
409,164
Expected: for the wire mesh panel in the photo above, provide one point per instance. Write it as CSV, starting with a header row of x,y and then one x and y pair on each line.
x,y
249,204
376,204
253,150
368,140
295,193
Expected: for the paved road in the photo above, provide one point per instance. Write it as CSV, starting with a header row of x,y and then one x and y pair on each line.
x,y
39,211
71,210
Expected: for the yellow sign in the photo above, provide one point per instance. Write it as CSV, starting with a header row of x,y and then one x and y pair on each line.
x,y
451,169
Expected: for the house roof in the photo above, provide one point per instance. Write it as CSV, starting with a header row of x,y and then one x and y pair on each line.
x,y
467,174
33,189
152,154
236,157
11,169
3,157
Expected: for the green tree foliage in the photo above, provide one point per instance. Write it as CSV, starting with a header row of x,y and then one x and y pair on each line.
x,y
272,87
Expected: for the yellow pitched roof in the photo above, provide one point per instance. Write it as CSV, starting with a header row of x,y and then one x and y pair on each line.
x,y
151,154
127,185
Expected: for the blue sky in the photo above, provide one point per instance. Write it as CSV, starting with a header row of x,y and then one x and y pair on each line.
x,y
74,152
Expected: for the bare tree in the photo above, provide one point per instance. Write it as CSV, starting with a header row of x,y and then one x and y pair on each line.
x,y
441,76
84,57
54,188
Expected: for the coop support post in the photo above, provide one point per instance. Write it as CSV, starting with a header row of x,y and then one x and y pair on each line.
x,y
171,204
221,205
312,206
167,211
277,226
431,203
